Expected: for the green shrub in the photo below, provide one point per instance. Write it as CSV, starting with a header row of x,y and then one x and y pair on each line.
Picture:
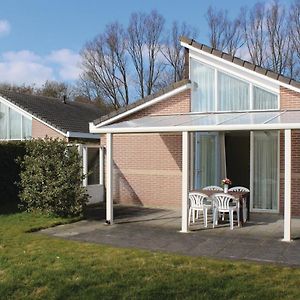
x,y
9,175
51,178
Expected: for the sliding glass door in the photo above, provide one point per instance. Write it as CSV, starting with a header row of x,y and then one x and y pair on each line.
x,y
209,159
265,174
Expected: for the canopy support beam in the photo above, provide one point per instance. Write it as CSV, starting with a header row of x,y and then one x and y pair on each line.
x,y
109,171
185,181
287,185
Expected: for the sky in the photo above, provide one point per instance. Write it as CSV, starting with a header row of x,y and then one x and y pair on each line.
x,y
41,39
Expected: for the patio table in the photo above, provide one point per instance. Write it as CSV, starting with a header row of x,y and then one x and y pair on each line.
x,y
242,197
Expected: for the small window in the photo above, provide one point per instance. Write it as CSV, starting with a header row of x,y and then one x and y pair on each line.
x,y
233,94
263,99
93,165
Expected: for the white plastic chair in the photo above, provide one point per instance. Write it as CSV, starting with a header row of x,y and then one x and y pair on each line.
x,y
242,189
197,204
239,189
224,203
213,188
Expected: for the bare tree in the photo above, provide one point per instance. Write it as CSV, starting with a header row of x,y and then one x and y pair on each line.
x,y
254,30
144,44
120,63
224,34
23,89
105,66
217,21
55,89
172,50
294,19
278,38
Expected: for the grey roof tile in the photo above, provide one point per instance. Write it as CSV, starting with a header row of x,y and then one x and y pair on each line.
x,y
260,70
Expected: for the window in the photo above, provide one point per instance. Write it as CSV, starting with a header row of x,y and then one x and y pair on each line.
x,y
263,99
3,121
233,94
204,91
26,128
15,120
214,90
93,165
13,125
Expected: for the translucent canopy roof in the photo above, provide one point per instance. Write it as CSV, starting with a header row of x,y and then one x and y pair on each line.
x,y
263,120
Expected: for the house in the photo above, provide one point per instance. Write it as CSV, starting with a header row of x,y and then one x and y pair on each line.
x,y
227,118
25,116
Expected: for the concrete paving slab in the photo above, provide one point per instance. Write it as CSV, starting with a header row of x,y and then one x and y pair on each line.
x,y
158,230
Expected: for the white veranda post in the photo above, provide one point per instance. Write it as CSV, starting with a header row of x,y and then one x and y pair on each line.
x,y
109,171
185,181
287,185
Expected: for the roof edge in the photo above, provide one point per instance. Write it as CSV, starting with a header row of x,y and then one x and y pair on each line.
x,y
282,79
143,103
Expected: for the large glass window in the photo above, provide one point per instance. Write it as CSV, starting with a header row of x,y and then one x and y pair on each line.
x,y
214,90
233,94
265,170
263,99
203,92
13,125
15,120
26,128
3,121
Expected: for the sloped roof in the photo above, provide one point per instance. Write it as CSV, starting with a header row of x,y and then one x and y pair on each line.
x,y
70,116
244,63
142,101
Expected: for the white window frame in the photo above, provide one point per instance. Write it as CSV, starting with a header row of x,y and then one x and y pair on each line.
x,y
251,83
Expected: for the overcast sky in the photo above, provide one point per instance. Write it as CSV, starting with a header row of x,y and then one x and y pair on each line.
x,y
40,39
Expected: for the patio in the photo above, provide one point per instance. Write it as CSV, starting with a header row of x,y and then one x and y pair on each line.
x,y
158,230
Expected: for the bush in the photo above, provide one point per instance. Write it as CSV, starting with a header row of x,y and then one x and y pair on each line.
x,y
51,178
9,175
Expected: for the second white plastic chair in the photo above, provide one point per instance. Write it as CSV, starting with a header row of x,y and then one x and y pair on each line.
x,y
224,203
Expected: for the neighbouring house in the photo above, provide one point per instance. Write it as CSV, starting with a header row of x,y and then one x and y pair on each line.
x,y
228,118
25,116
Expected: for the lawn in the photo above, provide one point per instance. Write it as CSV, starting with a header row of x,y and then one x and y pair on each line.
x,y
35,266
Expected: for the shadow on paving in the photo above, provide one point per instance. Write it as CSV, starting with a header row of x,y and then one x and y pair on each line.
x,y
97,212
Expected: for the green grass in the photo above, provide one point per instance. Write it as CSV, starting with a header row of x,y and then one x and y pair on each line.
x,y
35,266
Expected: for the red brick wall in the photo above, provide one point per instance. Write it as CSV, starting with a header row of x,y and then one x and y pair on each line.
x,y
147,167
179,103
290,100
40,130
295,172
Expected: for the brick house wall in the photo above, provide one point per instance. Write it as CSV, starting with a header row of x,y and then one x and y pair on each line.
x,y
147,167
290,100
40,130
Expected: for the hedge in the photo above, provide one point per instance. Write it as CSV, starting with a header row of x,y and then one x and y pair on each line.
x,y
9,174
51,178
